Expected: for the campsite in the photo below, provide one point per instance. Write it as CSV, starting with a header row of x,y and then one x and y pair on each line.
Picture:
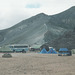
x,y
37,63
37,37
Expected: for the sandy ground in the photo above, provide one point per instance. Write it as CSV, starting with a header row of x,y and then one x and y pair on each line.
x,y
37,64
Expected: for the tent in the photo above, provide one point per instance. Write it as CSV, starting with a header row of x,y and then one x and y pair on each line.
x,y
5,49
63,49
52,51
73,51
35,47
43,51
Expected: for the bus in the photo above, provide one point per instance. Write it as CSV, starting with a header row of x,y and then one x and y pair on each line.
x,y
19,48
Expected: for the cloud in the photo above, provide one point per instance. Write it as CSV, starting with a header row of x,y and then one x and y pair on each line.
x,y
36,5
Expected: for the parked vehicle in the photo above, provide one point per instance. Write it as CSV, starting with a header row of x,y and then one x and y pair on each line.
x,y
19,48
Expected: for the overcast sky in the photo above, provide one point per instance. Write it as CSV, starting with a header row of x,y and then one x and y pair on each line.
x,y
14,11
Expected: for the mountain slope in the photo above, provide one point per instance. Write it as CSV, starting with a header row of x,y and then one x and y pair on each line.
x,y
60,23
28,31
65,41
39,29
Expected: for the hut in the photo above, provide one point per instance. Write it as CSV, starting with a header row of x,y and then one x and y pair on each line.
x,y
73,51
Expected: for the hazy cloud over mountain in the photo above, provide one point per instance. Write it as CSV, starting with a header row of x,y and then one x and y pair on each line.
x,y
36,5
14,11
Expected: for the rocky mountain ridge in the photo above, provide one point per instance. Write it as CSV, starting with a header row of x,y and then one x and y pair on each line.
x,y
39,29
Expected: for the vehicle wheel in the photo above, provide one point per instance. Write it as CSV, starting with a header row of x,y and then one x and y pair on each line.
x,y
23,51
13,50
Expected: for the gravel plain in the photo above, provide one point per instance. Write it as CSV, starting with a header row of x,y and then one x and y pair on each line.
x,y
37,64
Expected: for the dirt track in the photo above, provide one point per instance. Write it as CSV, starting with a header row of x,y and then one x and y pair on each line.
x,y
37,64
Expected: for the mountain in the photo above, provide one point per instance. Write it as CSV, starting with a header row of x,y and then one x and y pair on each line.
x,y
65,41
60,23
28,31
39,29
